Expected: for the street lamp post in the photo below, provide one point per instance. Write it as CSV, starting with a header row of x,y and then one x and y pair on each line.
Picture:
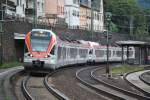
x,y
108,19
1,31
92,17
34,14
1,45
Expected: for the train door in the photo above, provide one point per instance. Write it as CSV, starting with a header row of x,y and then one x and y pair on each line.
x,y
64,55
90,55
59,55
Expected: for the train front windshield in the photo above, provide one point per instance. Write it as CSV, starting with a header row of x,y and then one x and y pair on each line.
x,y
40,41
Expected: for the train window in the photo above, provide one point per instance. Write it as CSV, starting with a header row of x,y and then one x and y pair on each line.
x,y
99,53
64,53
109,53
73,52
83,53
59,52
52,51
40,42
125,52
114,53
68,52
91,52
119,53
130,53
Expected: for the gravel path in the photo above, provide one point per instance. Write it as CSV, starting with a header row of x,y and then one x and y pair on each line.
x,y
37,89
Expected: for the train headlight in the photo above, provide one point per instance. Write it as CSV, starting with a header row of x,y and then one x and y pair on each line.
x,y
46,56
31,55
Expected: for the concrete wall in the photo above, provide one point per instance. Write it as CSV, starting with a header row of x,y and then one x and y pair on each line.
x,y
9,50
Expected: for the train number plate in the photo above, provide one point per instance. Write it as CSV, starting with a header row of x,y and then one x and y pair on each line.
x,y
36,63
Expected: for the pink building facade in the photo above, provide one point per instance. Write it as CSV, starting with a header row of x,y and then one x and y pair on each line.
x,y
55,7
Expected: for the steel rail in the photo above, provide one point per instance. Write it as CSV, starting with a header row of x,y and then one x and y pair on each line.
x,y
111,95
52,89
24,89
142,78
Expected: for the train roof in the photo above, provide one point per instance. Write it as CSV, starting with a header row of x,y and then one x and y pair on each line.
x,y
45,31
41,30
132,43
70,42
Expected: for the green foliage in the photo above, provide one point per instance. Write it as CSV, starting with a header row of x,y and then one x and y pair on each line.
x,y
10,64
7,98
113,27
126,12
125,69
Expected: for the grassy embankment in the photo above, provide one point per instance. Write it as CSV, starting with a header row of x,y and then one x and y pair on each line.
x,y
10,64
125,69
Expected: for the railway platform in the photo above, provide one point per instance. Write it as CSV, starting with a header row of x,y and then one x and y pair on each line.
x,y
134,78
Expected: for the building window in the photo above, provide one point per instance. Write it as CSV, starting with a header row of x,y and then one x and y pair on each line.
x,y
23,8
38,5
62,10
74,1
98,17
77,13
20,2
73,13
17,2
42,7
58,10
95,16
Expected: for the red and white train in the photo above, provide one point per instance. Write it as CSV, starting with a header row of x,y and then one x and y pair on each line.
x,y
46,50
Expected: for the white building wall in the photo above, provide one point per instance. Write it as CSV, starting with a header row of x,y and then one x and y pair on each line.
x,y
72,13
101,13
60,11
40,8
20,8
98,22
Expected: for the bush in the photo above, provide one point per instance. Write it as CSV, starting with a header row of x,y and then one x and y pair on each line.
x,y
10,64
125,68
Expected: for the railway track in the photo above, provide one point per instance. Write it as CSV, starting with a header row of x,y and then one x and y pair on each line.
x,y
33,88
6,88
51,89
64,81
132,94
87,77
38,87
24,89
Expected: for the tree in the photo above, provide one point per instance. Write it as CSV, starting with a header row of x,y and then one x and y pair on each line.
x,y
127,16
